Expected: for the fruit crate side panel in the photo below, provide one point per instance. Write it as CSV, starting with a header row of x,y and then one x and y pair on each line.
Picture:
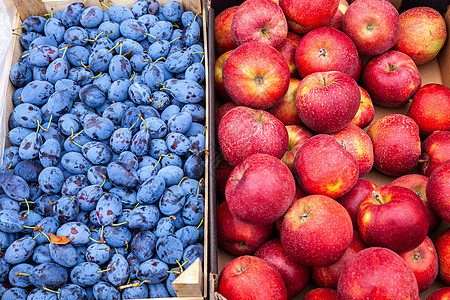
x,y
212,239
13,56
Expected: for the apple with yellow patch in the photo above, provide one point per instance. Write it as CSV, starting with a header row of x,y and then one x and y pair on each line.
x,y
222,29
366,111
324,167
218,76
422,34
418,184
285,110
297,136
256,75
336,21
393,217
358,143
287,49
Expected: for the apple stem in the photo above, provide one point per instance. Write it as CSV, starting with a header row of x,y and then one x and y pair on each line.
x,y
233,179
421,161
304,217
376,196
265,33
322,52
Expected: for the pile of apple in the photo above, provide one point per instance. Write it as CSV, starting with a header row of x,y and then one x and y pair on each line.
x,y
297,133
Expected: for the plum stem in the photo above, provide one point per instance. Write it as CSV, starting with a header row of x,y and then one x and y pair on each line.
x,y
49,290
200,184
178,37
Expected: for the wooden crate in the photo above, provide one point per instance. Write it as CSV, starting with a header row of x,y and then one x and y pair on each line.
x,y
435,71
192,284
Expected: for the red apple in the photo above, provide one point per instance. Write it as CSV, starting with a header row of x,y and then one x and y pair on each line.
x,y
218,75
245,131
287,49
422,35
251,278
435,151
259,21
296,27
396,144
237,237
336,21
443,249
393,217
256,75
358,143
430,107
438,190
323,167
328,276
377,273
223,170
373,25
298,194
326,49
223,111
260,189
297,136
353,198
222,28
424,263
285,110
391,78
366,112
295,276
440,294
321,294
418,184
309,14
316,231
327,101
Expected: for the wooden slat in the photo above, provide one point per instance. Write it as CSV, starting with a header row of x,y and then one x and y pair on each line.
x,y
28,8
190,282
6,107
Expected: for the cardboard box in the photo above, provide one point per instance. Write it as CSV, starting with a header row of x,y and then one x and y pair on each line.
x,y
435,71
192,284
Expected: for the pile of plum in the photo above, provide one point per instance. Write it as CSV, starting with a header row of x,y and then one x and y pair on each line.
x,y
102,188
